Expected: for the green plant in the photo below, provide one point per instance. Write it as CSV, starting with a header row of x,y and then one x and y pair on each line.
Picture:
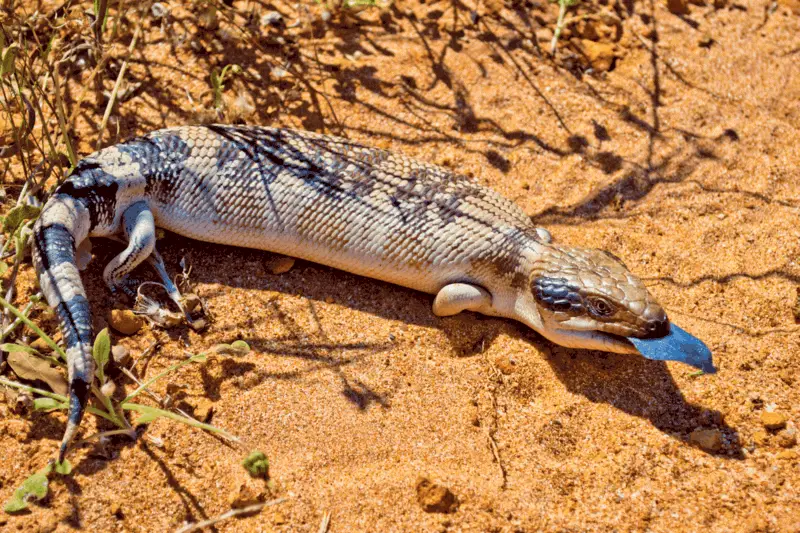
x,y
100,18
109,408
563,5
218,78
36,486
257,464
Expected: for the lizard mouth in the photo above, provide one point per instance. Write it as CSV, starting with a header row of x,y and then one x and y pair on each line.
x,y
676,345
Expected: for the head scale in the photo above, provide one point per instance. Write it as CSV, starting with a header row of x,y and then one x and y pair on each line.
x,y
592,290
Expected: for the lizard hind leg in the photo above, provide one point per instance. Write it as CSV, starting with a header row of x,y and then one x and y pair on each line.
x,y
157,262
457,297
139,227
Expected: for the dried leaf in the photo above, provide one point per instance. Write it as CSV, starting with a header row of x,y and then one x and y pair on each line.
x,y
28,366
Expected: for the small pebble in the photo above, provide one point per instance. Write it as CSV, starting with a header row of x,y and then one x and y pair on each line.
x,y
121,355
199,325
709,440
678,7
280,265
249,492
599,55
124,321
202,409
158,10
40,345
505,364
190,302
271,18
773,421
23,404
761,438
108,389
116,510
435,498
787,454
787,438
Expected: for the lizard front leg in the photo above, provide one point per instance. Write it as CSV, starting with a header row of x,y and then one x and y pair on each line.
x,y
457,297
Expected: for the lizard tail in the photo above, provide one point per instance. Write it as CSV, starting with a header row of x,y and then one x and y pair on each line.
x,y
63,223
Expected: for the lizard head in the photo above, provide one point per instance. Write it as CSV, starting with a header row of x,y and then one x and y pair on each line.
x,y
589,299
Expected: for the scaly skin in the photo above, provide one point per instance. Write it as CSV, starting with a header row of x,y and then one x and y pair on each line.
x,y
335,202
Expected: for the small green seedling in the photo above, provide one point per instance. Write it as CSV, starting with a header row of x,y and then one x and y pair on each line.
x,y
257,464
100,17
235,348
35,488
218,81
563,5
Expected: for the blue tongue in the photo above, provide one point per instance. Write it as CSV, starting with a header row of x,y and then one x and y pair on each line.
x,y
677,345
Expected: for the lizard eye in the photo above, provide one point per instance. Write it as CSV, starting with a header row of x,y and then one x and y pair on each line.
x,y
600,307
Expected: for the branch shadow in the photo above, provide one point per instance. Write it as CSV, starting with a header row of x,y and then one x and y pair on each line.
x,y
191,505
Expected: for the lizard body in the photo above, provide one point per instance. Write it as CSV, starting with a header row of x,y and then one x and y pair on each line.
x,y
339,203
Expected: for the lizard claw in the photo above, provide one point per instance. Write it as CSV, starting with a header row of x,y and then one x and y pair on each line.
x,y
125,286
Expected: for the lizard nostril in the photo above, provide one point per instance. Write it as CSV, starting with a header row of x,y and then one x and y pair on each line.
x,y
658,328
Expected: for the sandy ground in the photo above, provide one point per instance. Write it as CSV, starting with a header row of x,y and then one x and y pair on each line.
x,y
683,161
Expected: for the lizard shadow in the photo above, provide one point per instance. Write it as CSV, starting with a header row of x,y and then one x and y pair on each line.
x,y
634,385
645,389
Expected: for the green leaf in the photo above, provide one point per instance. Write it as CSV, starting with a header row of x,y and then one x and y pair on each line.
x,y
235,348
33,488
148,414
257,464
48,404
241,347
11,347
7,59
100,15
21,238
3,267
27,321
64,468
101,351
16,216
